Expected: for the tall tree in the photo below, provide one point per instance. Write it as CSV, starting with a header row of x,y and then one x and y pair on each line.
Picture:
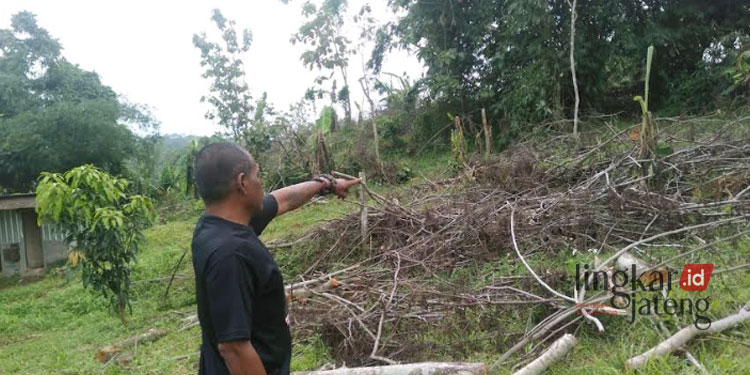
x,y
54,115
513,56
329,47
230,96
573,5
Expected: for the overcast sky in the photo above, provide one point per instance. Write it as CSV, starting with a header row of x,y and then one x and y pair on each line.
x,y
144,50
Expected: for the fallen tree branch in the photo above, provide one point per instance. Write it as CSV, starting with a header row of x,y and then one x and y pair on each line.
x,y
515,246
303,284
626,260
686,334
424,368
304,292
185,356
174,272
107,353
559,349
664,234
188,322
276,245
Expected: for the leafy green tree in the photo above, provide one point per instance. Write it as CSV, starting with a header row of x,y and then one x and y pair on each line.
x,y
55,116
740,71
329,47
513,56
230,95
258,137
102,222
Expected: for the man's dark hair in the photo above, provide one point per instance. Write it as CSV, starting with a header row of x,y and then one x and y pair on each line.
x,y
216,166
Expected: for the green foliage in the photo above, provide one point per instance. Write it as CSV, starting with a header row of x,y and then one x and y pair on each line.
x,y
102,222
458,144
643,100
740,73
55,116
170,178
512,56
310,355
391,130
49,312
743,68
329,48
230,96
397,123
323,124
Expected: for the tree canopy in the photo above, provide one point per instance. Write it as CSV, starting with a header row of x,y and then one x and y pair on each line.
x,y
512,55
54,115
230,96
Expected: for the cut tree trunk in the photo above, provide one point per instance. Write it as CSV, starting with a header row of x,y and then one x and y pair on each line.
x,y
302,293
626,260
686,334
424,368
557,351
105,354
487,134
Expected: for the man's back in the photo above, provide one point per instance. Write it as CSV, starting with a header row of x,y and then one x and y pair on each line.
x,y
240,292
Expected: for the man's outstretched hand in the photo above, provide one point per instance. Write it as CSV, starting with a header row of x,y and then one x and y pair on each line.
x,y
343,185
290,197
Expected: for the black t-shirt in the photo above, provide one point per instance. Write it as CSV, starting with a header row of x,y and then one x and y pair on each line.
x,y
240,291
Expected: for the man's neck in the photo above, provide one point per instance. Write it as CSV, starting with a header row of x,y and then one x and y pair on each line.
x,y
230,211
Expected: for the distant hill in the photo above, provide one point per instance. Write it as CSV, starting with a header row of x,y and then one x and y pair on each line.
x,y
176,142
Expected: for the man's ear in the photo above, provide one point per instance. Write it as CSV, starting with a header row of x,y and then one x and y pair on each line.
x,y
241,186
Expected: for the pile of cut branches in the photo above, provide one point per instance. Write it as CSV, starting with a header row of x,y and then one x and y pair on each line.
x,y
534,199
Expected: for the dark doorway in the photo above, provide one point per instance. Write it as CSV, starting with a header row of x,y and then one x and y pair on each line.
x,y
32,236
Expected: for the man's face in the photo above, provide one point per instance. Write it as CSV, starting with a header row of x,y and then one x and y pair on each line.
x,y
252,189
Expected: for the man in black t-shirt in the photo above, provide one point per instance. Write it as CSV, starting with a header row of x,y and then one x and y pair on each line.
x,y
239,288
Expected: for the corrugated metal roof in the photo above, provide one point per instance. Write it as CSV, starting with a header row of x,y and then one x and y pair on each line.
x,y
16,201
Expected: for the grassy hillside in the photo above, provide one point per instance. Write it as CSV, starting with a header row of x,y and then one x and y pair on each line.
x,y
50,325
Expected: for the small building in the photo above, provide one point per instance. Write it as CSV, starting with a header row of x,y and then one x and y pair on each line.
x,y
24,245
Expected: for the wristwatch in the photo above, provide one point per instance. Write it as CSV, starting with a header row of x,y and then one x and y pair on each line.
x,y
329,181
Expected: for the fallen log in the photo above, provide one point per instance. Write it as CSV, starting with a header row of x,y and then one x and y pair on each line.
x,y
627,260
559,349
304,292
107,353
189,322
304,284
686,334
424,368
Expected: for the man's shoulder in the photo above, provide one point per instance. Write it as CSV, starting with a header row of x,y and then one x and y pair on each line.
x,y
211,245
243,249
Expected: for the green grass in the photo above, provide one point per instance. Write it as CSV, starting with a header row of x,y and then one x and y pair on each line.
x,y
605,353
599,353
52,326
